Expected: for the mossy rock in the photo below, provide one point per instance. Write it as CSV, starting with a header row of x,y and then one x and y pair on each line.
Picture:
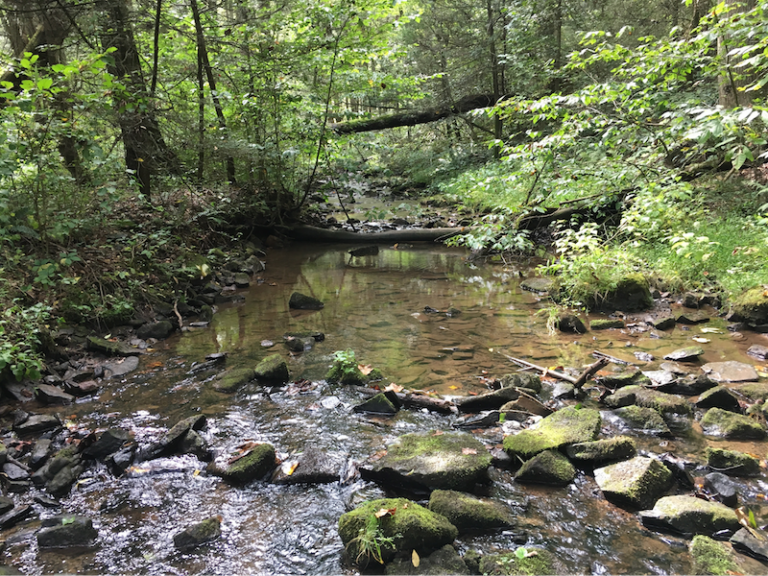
x,y
712,557
233,379
112,348
566,426
632,294
453,461
198,534
299,301
408,526
690,515
469,513
639,396
548,467
443,561
605,324
532,561
643,419
273,368
253,466
754,390
636,483
524,380
752,306
351,376
622,379
732,462
618,448
718,422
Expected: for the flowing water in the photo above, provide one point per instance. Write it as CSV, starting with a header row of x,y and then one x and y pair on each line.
x,y
374,305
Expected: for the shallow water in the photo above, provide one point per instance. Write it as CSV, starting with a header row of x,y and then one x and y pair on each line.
x,y
374,305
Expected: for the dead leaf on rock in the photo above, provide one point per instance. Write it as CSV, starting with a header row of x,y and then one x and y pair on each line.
x,y
467,451
365,369
415,560
394,388
438,433
385,512
377,456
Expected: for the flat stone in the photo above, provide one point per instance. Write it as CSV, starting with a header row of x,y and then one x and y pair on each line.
x,y
6,505
636,483
233,379
48,394
38,423
67,532
605,324
746,542
566,426
314,466
664,322
121,367
81,388
242,280
758,351
730,371
692,317
687,354
112,348
617,448
690,515
15,516
539,285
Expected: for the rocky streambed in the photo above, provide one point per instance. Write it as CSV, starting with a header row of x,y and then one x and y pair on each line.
x,y
388,430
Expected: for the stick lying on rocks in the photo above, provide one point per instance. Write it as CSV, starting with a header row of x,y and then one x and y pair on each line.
x,y
415,399
577,382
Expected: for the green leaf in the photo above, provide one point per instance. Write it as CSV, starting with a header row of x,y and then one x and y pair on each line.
x,y
521,552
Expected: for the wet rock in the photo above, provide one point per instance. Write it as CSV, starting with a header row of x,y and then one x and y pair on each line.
x,y
198,534
548,467
639,396
469,513
242,280
563,390
690,385
527,404
300,301
15,516
664,322
691,300
121,460
717,422
606,324
299,344
636,483
6,505
4,453
719,397
52,395
488,401
19,391
157,330
745,541
566,426
752,306
443,561
536,561
120,367
233,379
408,525
193,443
687,354
661,379
692,317
722,488
755,391
112,348
273,369
37,423
62,481
758,351
67,532
689,515
81,388
618,448
712,557
539,285
490,418
621,379
454,461
730,371
14,472
732,462
524,380
254,465
46,502
570,323
109,441
380,404
314,466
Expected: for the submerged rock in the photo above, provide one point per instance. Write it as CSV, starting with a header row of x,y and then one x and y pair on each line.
x,y
67,532
48,394
570,323
566,426
618,448
690,515
233,379
198,534
252,465
443,561
300,301
718,422
730,371
314,466
636,483
454,461
532,561
397,525
273,369
469,513
548,467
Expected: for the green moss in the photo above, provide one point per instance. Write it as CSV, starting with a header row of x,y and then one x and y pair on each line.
x,y
659,401
645,419
566,426
605,324
252,466
754,390
720,422
469,513
617,448
233,379
534,561
623,379
695,516
712,557
548,467
636,482
273,368
732,462
752,305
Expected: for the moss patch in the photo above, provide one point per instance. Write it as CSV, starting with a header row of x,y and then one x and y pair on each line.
x,y
548,467
605,324
469,513
712,557
691,515
273,369
643,419
231,380
732,463
718,422
252,466
636,483
639,396
752,305
534,561
566,426
618,448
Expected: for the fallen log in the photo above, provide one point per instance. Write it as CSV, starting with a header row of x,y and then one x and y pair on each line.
x,y
405,235
577,382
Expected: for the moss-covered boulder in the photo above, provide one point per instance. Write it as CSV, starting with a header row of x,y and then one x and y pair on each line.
x,y
524,380
606,323
617,448
198,534
641,419
632,294
712,557
522,562
469,513
639,396
112,348
718,422
636,483
752,306
394,525
253,465
443,561
548,467
732,462
754,390
273,369
452,461
233,379
690,515
566,426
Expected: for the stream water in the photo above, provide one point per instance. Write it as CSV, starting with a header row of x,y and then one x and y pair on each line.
x,y
374,305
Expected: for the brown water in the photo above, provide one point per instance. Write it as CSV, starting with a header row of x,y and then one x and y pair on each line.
x,y
375,306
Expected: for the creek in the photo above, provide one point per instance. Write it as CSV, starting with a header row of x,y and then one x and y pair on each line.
x,y
374,305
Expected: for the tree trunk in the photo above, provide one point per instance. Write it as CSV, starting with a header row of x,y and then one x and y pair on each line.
x,y
732,81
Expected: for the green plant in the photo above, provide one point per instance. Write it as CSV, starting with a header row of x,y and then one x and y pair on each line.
x,y
346,364
369,542
22,330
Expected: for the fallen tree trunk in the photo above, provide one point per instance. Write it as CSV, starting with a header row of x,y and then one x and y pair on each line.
x,y
412,118
406,235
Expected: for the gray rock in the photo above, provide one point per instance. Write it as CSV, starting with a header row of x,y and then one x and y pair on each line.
x,y
62,481
548,467
636,483
67,532
157,330
38,423
6,505
300,301
52,395
719,397
14,472
443,561
758,351
193,443
108,442
381,403
639,396
314,466
664,322
687,354
617,448
120,368
15,516
112,348
198,534
690,515
621,379
640,419
746,542
242,280
539,285
692,317
722,488
730,371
